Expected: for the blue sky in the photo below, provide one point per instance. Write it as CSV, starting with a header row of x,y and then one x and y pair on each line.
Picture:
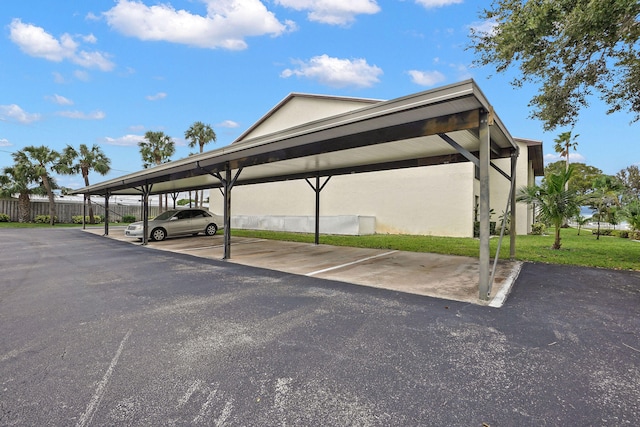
x,y
105,72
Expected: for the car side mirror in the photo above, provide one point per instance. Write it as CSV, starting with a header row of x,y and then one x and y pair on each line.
x,y
174,218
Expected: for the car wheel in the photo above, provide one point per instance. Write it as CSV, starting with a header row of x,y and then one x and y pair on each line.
x,y
158,234
211,230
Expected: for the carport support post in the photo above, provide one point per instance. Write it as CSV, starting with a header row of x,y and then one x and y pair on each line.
x,y
146,190
317,225
227,184
512,228
484,139
227,212
317,189
106,213
84,213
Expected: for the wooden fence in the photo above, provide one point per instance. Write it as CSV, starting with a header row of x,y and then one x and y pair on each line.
x,y
66,209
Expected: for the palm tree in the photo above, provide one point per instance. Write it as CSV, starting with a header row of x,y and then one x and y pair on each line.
x,y
83,161
632,214
200,134
157,149
581,221
39,160
17,180
564,143
605,197
555,204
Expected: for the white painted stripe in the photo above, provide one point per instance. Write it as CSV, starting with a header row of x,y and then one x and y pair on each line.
x,y
313,273
501,295
87,416
197,385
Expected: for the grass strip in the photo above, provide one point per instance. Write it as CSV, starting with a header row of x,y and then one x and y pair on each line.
x,y
582,250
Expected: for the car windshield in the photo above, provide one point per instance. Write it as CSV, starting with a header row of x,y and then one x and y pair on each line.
x,y
165,215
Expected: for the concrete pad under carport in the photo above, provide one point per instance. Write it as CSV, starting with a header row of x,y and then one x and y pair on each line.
x,y
441,276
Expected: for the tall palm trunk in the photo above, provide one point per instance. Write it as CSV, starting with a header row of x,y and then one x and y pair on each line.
x,y
556,243
87,199
24,207
85,175
52,201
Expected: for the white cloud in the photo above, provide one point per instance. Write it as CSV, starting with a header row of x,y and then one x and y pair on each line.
x,y
5,142
59,99
92,17
228,124
93,60
225,25
58,78
336,72
14,113
157,96
128,71
487,27
95,115
90,39
430,4
123,141
462,71
574,157
333,12
35,41
426,78
81,75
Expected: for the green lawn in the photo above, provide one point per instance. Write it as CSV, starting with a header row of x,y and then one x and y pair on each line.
x,y
584,250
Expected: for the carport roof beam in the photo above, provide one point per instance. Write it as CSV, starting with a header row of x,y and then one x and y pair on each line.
x,y
369,133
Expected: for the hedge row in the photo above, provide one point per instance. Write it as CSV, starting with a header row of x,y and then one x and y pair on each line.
x,y
625,234
77,219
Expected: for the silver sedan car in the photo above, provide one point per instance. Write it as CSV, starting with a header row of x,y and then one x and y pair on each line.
x,y
177,222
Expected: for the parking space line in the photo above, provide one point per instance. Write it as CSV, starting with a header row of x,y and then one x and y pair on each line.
x,y
313,273
97,396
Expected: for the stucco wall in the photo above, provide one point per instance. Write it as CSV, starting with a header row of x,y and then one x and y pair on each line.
x,y
301,109
434,200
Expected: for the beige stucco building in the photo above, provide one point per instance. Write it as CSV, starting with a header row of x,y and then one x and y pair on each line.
x,y
436,200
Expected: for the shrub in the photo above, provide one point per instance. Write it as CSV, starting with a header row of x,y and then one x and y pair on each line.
x,y
4,217
623,234
603,232
492,228
634,235
128,218
538,228
44,219
77,219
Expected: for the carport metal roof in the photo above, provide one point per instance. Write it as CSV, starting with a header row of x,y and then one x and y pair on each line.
x,y
450,124
402,132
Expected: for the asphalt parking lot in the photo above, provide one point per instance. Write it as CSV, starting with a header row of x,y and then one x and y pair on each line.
x,y
99,332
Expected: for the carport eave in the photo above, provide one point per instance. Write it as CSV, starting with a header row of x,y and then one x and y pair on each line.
x,y
390,121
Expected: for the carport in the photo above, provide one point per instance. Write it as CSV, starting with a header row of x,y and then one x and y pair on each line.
x,y
451,124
